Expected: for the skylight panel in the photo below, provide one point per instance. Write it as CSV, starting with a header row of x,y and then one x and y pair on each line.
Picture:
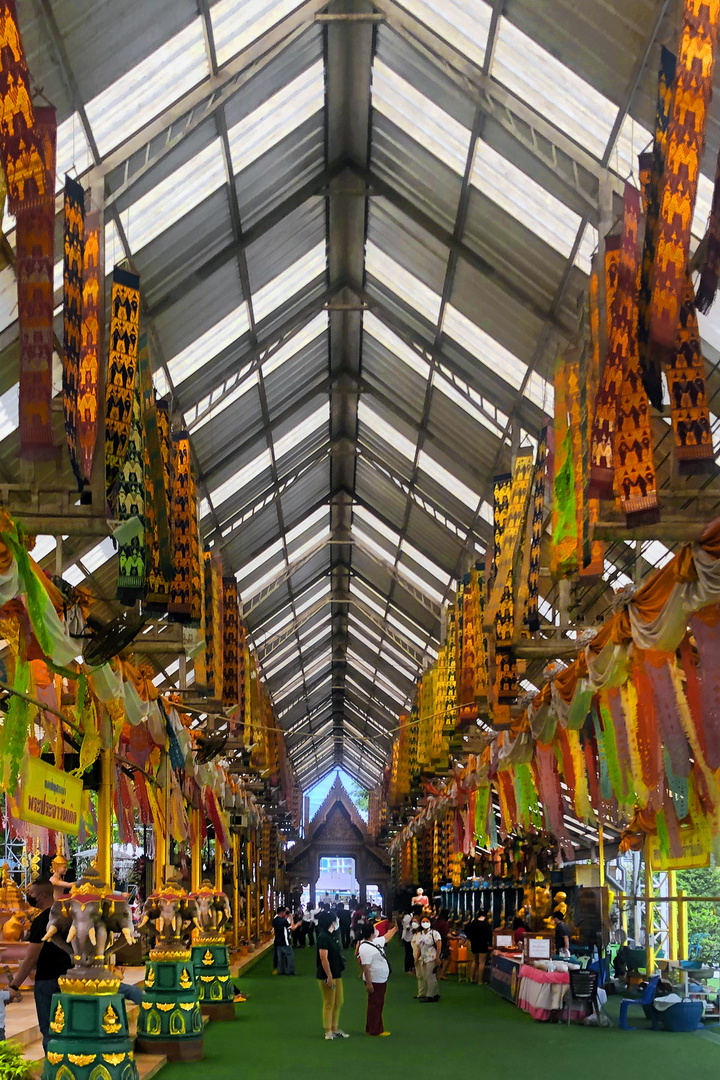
x,y
656,553
289,282
372,545
313,542
427,564
401,282
234,484
447,480
386,431
703,202
73,153
465,26
145,91
9,405
302,431
277,117
495,356
174,197
367,598
73,575
445,387
256,586
237,23
224,402
587,248
208,345
524,199
395,344
254,564
98,555
419,582
311,596
307,523
377,524
44,544
291,657
420,117
297,342
631,141
273,629
401,626
552,89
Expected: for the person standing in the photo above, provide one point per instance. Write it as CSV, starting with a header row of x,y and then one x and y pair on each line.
x,y
376,972
410,923
426,950
50,959
283,927
562,934
343,917
309,923
479,933
356,923
330,964
298,934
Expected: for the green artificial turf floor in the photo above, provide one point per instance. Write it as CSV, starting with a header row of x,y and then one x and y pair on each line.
x,y
278,1035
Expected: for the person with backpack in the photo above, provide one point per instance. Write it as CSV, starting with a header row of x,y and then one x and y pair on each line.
x,y
376,971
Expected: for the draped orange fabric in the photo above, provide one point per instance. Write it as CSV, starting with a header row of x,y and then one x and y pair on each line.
x,y
710,539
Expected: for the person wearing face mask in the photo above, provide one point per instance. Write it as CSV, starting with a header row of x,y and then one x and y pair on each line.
x,y
375,971
410,923
330,964
426,950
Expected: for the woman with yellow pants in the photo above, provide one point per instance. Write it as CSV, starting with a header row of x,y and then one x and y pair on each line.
x,y
330,964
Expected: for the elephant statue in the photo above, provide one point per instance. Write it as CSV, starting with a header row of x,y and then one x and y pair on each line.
x,y
170,916
213,909
88,921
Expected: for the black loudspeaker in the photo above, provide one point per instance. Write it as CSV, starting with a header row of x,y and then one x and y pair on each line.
x,y
593,915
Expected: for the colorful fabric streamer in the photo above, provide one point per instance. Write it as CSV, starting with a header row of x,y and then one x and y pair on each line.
x,y
602,469
186,588
122,369
688,397
158,488
23,159
685,147
131,508
564,517
73,256
231,666
35,256
532,617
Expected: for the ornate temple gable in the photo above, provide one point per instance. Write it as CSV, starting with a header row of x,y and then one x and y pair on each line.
x,y
337,794
338,828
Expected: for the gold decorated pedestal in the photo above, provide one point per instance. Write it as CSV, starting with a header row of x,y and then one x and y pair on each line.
x,y
170,1021
89,1037
216,990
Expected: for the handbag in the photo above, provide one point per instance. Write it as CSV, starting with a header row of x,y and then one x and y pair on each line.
x,y
382,953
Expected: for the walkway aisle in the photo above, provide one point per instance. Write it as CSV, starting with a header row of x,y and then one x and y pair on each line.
x,y
469,1035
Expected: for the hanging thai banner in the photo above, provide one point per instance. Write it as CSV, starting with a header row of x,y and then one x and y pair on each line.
x,y
158,458
122,369
231,666
35,257
685,146
563,558
158,490
73,251
605,411
532,618
186,589
688,398
50,797
22,158
695,852
652,188
514,524
131,509
633,451
591,552
88,371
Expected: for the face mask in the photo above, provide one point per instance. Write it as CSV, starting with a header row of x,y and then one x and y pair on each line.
x,y
426,926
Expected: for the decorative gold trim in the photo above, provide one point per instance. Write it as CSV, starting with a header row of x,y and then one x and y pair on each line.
x,y
146,1004
165,1006
89,986
212,940
58,1022
113,1059
188,1006
207,978
223,978
111,1021
150,977
82,1059
179,955
185,979
54,1059
208,958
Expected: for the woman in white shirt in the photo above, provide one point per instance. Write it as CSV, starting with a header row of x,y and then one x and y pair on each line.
x,y
426,950
376,971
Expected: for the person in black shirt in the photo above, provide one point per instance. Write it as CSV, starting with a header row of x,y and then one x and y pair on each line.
x,y
51,959
479,934
283,927
330,964
344,916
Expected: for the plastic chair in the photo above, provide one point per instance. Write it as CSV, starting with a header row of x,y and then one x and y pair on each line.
x,y
647,999
583,987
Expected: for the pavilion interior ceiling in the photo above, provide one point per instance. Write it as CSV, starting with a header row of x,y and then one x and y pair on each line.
x,y
361,232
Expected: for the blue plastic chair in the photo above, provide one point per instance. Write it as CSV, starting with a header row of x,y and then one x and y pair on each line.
x,y
646,999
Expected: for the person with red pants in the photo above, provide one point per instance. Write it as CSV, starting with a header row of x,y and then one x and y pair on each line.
x,y
376,971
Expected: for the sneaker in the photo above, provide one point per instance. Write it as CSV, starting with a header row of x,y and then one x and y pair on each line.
x,y
423,999
339,1034
329,1036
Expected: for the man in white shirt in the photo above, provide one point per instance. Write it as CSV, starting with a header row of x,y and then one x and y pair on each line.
x,y
376,971
409,923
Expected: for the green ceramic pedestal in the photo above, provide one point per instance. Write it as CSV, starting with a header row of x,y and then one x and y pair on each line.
x,y
216,991
89,1039
170,1021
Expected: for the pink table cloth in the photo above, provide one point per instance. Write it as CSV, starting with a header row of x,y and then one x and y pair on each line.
x,y
542,993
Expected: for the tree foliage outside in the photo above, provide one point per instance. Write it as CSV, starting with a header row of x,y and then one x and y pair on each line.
x,y
360,796
703,918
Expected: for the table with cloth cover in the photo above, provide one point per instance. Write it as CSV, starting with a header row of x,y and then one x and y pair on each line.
x,y
542,993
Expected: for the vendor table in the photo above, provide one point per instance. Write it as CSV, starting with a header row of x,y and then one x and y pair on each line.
x,y
504,974
542,993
